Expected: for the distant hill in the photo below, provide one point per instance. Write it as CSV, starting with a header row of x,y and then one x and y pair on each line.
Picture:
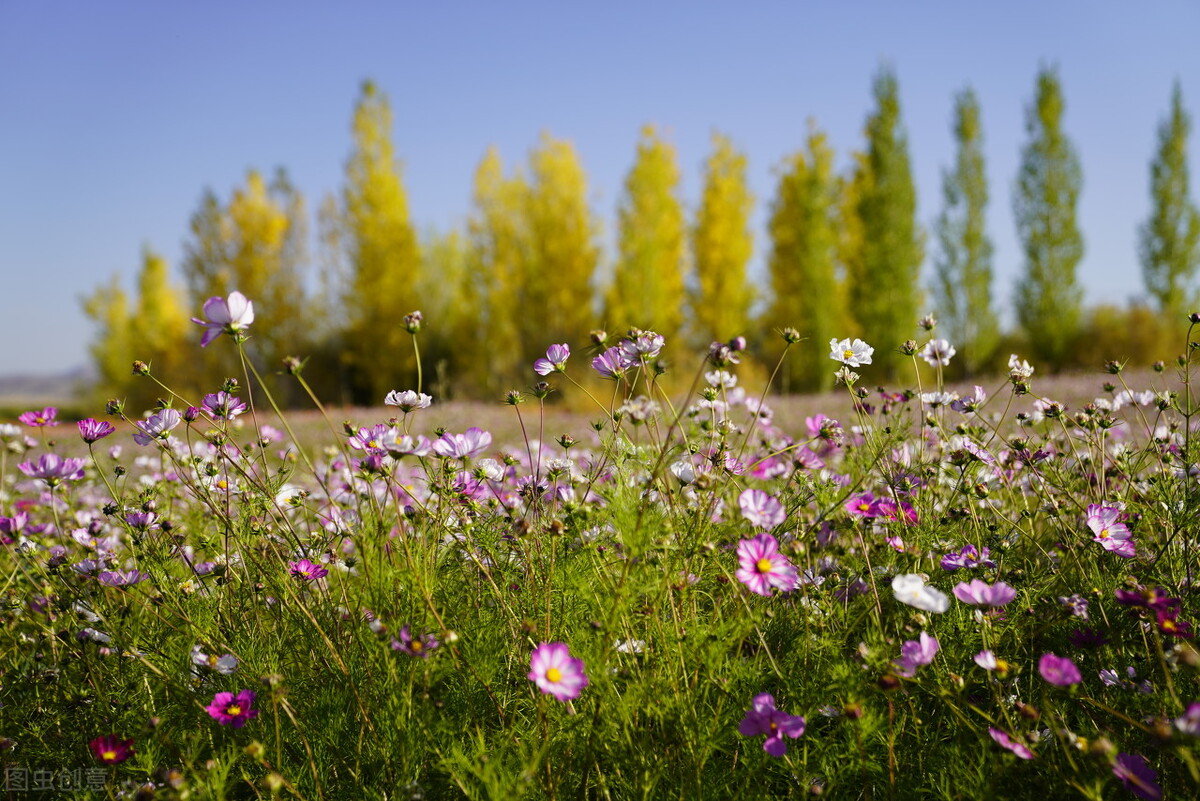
x,y
35,390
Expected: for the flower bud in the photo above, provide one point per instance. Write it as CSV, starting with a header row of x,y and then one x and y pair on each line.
x,y
412,322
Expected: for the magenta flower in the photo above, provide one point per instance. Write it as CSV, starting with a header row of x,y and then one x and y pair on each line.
x,y
415,646
462,446
761,509
111,749
35,419
556,672
54,469
968,556
763,718
93,430
306,570
1059,670
1111,534
157,426
612,363
862,505
225,316
1016,746
762,567
554,362
1137,776
914,654
233,710
980,593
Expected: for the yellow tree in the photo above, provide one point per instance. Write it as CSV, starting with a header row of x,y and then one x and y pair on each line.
x,y
558,297
721,246
647,288
382,255
111,349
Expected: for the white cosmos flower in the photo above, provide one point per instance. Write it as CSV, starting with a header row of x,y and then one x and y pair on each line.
x,y
853,353
937,352
911,589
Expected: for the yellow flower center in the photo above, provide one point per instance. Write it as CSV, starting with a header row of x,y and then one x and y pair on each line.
x,y
415,645
1103,534
233,710
554,675
774,725
372,444
222,484
763,566
108,756
847,354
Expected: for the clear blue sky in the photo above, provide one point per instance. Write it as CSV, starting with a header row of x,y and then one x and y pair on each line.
x,y
114,116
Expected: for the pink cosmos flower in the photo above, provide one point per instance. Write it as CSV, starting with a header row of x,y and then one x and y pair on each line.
x,y
1059,670
306,570
980,593
1016,746
462,446
223,406
36,419
1137,776
1111,534
225,316
555,360
408,400
157,426
762,567
556,672
121,578
862,505
93,430
612,364
111,749
763,718
233,710
415,646
54,469
761,509
914,654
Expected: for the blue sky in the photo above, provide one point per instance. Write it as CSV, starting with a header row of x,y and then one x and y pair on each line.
x,y
117,115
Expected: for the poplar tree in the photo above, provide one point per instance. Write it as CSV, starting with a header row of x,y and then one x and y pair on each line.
x,y
721,247
647,287
1048,296
803,262
382,255
962,287
111,348
885,297
1169,243
558,293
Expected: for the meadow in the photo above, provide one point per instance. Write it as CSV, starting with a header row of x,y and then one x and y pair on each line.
x,y
918,591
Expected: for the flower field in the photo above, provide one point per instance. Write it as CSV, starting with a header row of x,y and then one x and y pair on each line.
x,y
958,595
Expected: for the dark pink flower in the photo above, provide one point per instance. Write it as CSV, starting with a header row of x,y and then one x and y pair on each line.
x,y
763,718
762,567
306,570
36,419
54,469
1016,746
233,710
1059,670
93,430
111,749
556,672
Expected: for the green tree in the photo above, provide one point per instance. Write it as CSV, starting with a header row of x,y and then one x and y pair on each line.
x,y
1169,243
721,247
382,255
885,297
962,287
803,262
1048,297
647,287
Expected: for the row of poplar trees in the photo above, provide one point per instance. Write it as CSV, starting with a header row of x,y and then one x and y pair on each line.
x,y
527,270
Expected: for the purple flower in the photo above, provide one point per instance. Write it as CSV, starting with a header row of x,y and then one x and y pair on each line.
x,y
415,646
968,556
612,363
555,361
556,672
233,710
1112,535
223,406
157,426
121,578
1016,746
1189,721
1059,670
1155,599
762,510
1137,776
35,419
225,316
914,654
762,567
980,593
54,469
306,570
763,718
462,446
92,430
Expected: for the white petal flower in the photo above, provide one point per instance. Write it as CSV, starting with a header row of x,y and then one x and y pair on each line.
x,y
853,353
911,589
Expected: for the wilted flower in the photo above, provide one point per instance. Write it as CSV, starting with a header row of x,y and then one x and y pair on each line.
x,y
910,588
233,710
556,672
225,316
1059,670
111,749
852,353
763,718
762,567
